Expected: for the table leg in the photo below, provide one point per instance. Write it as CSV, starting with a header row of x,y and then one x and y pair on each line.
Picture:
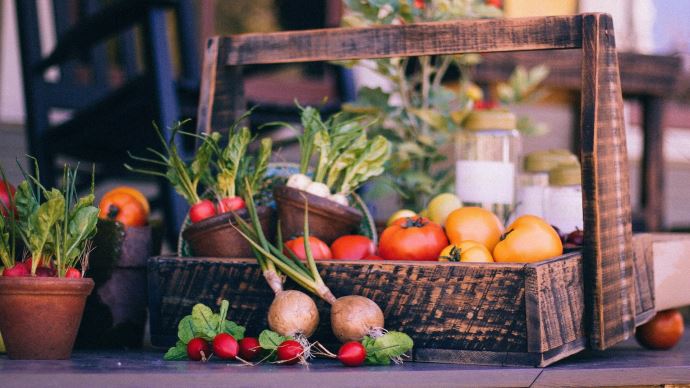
x,y
652,183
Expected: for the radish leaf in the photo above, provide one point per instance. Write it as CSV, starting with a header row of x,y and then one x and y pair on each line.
x,y
270,340
177,352
233,329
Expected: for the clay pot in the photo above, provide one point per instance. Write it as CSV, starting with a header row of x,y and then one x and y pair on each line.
x,y
328,220
39,317
215,237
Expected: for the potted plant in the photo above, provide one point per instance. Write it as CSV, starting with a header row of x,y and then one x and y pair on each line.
x,y
336,157
220,165
42,298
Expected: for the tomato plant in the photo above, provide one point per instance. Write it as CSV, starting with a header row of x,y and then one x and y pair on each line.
x,y
528,239
123,207
412,238
319,249
662,332
352,247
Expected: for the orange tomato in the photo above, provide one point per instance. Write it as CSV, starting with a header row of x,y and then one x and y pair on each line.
x,y
528,239
134,193
476,224
467,251
663,332
123,207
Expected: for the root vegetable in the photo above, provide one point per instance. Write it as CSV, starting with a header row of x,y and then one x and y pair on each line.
x,y
198,349
225,346
290,352
249,348
292,313
298,181
19,269
230,204
73,273
354,316
319,189
202,210
339,199
352,353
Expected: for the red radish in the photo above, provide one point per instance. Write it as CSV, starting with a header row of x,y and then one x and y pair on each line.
x,y
231,204
352,353
18,270
73,273
198,349
6,191
202,210
45,272
225,346
290,352
249,348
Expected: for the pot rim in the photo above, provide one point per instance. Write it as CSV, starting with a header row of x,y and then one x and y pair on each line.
x,y
219,221
32,285
317,204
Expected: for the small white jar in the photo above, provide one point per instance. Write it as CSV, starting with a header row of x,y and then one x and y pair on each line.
x,y
563,202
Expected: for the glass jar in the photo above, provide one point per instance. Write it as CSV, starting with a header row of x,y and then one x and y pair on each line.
x,y
486,156
563,204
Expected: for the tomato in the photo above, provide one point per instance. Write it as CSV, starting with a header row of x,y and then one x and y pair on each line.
x,y
528,239
319,249
7,191
662,332
373,258
419,4
123,207
466,251
476,224
134,193
352,247
441,206
231,204
202,210
412,238
402,213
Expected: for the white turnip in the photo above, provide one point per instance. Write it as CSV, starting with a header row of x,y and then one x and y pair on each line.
x,y
298,181
293,313
354,316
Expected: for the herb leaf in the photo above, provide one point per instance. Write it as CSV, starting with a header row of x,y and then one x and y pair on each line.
x,y
270,340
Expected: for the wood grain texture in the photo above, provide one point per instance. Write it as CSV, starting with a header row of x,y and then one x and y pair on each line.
x,y
606,196
643,260
554,303
453,37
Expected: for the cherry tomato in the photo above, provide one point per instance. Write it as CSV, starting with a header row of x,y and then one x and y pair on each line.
x,y
225,346
528,239
352,353
124,208
662,332
197,349
231,204
290,352
352,247
202,210
412,238
6,191
249,348
319,249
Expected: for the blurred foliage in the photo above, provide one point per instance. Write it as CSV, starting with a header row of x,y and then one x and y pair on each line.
x,y
418,113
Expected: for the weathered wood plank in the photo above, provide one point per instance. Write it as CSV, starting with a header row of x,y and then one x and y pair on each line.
x,y
643,260
554,303
606,195
558,32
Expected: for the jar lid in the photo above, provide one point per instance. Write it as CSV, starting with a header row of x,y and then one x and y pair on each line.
x,y
567,174
545,160
490,119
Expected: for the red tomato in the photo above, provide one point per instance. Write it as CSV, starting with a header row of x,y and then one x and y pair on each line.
x,y
319,249
662,332
352,247
231,204
373,258
419,4
412,238
202,210
6,191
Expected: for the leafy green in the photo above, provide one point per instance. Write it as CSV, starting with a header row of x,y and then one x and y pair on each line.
x,y
177,352
390,346
185,329
270,340
205,322
233,329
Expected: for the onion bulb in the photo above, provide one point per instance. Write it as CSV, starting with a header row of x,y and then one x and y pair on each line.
x,y
293,312
354,316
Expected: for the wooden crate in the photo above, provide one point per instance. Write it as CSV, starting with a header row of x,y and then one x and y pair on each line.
x,y
493,313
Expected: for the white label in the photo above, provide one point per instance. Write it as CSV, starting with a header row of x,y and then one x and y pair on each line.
x,y
485,181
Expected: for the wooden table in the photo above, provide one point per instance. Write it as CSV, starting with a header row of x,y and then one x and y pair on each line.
x,y
624,365
649,79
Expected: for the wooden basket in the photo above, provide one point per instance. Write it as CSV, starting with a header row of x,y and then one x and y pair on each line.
x,y
531,314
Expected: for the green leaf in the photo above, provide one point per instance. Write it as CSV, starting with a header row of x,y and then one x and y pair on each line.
x,y
176,353
270,340
185,329
230,159
224,305
233,329
389,346
369,164
42,221
82,226
205,322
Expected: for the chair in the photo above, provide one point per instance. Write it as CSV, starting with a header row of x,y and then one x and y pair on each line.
x,y
112,71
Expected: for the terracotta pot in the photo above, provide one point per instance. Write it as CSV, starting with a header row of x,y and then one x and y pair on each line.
x,y
215,237
39,317
328,220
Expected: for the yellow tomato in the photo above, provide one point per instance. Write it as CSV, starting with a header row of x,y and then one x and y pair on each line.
x,y
402,213
441,206
476,224
528,239
466,251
